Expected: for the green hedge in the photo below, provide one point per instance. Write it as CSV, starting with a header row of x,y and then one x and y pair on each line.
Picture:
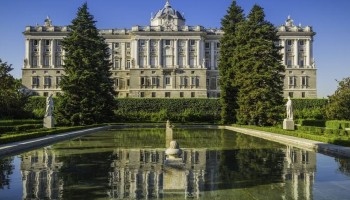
x,y
308,122
300,104
19,122
338,124
24,127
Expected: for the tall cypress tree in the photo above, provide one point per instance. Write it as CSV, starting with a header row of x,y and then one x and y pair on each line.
x,y
259,75
88,93
228,94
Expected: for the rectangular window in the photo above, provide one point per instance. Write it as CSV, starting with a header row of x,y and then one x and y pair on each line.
x,y
128,82
155,81
218,45
142,94
58,61
127,45
193,94
116,45
305,81
289,42
290,94
207,45
183,81
47,81
46,60
192,42
167,94
143,80
35,81
301,63
116,82
128,63
181,94
35,61
303,95
292,80
47,42
289,62
154,94
142,42
35,42
167,42
167,80
116,63
58,81
301,42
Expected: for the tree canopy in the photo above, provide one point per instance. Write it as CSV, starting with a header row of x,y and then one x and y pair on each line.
x,y
228,93
12,98
339,103
88,93
253,71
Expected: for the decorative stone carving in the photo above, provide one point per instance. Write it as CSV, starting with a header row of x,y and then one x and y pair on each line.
x,y
174,151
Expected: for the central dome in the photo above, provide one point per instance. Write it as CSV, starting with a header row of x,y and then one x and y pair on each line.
x,y
167,14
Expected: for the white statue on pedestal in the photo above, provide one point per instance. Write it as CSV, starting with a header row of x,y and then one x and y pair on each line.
x,y
289,108
49,106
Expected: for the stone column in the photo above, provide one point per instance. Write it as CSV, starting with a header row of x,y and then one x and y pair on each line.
x,y
123,55
40,53
198,48
53,52
187,54
176,53
296,59
28,56
212,55
160,53
148,56
136,53
307,53
284,51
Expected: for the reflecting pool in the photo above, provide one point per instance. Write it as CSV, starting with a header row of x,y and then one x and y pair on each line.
x,y
216,164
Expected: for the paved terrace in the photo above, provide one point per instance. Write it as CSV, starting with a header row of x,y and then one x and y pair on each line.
x,y
329,149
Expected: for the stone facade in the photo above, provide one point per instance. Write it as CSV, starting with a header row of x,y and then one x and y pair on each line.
x,y
165,59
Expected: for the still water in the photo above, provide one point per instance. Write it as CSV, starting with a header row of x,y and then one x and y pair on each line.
x,y
216,164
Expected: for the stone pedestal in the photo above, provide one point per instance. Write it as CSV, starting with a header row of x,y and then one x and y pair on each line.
x,y
288,124
49,122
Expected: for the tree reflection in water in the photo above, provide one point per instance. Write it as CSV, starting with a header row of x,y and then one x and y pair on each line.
x,y
129,164
6,169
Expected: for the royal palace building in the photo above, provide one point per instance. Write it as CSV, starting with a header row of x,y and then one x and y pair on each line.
x,y
165,59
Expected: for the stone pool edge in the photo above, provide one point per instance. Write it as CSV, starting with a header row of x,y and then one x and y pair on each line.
x,y
321,147
328,149
17,147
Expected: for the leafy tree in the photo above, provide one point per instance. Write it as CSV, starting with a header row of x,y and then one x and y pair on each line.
x,y
12,98
88,89
339,103
258,74
228,43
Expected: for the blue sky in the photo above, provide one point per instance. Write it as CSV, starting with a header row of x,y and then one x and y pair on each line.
x,y
329,19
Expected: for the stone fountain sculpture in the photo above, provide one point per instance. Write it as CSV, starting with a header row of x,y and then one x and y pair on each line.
x,y
288,123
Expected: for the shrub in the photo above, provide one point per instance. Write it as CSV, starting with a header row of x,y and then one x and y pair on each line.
x,y
308,122
338,124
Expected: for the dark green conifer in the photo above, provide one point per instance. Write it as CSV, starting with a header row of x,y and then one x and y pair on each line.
x,y
88,93
259,72
228,94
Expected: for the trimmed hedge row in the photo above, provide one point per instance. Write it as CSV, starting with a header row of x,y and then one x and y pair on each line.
x,y
24,127
338,124
300,104
307,122
19,122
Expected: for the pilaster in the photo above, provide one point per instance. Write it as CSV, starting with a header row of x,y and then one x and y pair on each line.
x,y
284,52
40,53
28,53
176,53
160,53
198,49
53,52
212,55
296,59
187,54
307,53
148,46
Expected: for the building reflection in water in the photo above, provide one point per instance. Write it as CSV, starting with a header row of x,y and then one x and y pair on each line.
x,y
40,178
141,174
